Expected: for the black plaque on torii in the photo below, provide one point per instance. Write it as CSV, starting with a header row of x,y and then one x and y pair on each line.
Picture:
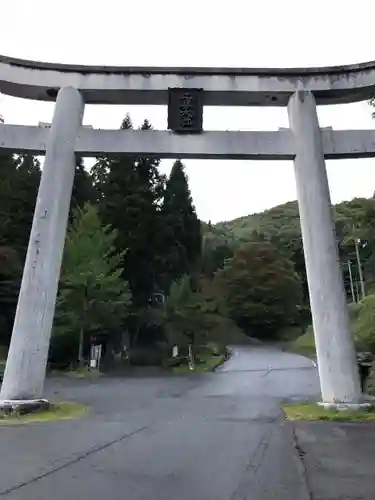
x,y
185,110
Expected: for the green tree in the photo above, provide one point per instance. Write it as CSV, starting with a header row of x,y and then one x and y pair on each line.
x,y
83,188
262,292
182,227
19,179
216,248
185,318
364,325
19,182
10,279
130,191
93,297
102,173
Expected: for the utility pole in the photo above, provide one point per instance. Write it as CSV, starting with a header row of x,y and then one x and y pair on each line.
x,y
359,265
357,290
351,281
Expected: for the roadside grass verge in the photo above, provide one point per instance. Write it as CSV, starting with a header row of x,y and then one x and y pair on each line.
x,y
207,360
62,410
79,373
304,345
371,384
3,357
311,411
204,364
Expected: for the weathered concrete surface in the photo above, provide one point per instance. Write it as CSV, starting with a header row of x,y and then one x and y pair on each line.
x,y
339,459
214,436
27,357
222,86
338,370
241,145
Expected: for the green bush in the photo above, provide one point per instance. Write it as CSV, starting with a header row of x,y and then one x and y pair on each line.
x,y
215,349
305,344
261,291
172,362
362,320
63,350
364,325
147,355
3,353
225,332
354,309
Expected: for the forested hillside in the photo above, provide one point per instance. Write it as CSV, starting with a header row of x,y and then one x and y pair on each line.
x,y
355,231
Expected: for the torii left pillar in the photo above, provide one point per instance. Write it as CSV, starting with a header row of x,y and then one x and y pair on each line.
x,y
28,352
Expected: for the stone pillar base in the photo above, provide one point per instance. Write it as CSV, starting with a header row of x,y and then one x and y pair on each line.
x,y
346,406
368,398
11,407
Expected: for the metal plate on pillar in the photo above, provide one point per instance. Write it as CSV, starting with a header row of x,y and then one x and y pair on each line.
x,y
185,110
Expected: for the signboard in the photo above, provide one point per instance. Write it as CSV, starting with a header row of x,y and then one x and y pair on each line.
x,y
96,354
185,110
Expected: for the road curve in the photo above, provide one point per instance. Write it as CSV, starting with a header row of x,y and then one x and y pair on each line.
x,y
217,436
222,86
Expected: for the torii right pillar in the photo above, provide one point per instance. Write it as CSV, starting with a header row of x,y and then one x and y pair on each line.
x,y
338,373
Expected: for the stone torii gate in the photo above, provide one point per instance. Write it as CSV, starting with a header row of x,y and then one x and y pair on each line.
x,y
186,91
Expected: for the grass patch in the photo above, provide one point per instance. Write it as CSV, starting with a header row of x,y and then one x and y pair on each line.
x,y
371,384
206,363
304,345
310,411
57,411
3,357
79,373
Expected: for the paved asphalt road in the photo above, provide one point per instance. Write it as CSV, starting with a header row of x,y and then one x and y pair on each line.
x,y
214,436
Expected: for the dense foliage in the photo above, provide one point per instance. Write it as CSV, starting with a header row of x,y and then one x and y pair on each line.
x,y
140,269
93,298
354,219
182,227
261,289
364,325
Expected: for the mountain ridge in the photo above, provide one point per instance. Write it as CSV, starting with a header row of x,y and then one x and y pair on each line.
x,y
285,218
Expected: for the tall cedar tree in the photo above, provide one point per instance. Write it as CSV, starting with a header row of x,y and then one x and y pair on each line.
x,y
19,182
83,189
10,278
182,227
19,179
130,192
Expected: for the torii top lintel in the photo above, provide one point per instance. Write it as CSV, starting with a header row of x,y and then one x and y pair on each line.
x,y
222,86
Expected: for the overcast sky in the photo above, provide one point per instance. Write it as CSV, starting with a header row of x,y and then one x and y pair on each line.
x,y
242,33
